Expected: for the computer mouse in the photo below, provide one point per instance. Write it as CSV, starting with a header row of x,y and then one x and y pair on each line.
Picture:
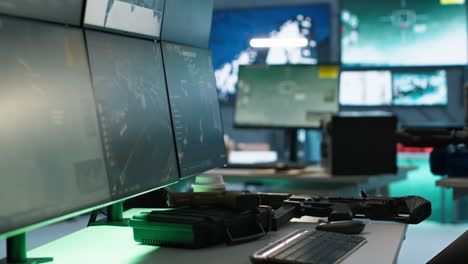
x,y
343,227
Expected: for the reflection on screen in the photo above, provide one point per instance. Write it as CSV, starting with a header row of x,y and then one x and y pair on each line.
x,y
404,32
195,108
422,88
232,31
365,88
286,95
133,108
50,156
143,17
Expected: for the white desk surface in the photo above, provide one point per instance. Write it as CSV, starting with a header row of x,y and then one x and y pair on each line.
x,y
313,175
105,244
314,179
459,185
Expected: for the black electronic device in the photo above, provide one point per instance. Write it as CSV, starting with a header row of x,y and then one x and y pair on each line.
x,y
360,143
137,18
407,209
197,227
195,109
64,12
133,111
305,246
344,227
455,253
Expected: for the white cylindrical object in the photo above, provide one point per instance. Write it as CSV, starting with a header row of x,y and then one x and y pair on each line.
x,y
209,183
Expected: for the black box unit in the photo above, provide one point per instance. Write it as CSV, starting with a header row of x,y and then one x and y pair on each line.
x,y
360,143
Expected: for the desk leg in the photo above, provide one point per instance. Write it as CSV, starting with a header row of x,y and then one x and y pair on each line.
x,y
456,212
443,208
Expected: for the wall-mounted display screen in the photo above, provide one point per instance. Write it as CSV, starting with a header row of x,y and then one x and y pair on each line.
x,y
421,88
233,30
366,88
140,17
404,32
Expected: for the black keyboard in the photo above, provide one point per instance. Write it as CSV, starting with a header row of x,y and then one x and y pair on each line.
x,y
314,247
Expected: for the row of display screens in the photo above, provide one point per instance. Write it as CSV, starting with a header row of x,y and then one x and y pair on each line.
x,y
300,96
386,88
396,33
90,117
143,18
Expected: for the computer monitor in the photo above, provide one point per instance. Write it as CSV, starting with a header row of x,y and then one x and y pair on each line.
x,y
366,88
133,110
404,32
60,11
134,17
419,88
51,161
233,30
188,22
195,108
286,96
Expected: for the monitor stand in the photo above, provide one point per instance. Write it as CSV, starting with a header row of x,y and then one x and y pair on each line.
x,y
291,133
114,217
17,254
292,162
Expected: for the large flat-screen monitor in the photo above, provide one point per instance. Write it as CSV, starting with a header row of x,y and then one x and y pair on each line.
x,y
195,108
366,88
51,160
133,110
134,17
404,32
188,22
60,11
286,96
233,30
420,88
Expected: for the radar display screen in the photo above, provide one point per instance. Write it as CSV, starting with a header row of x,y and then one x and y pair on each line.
x,y
296,96
51,160
232,31
365,88
133,110
404,32
136,17
420,88
66,12
195,108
